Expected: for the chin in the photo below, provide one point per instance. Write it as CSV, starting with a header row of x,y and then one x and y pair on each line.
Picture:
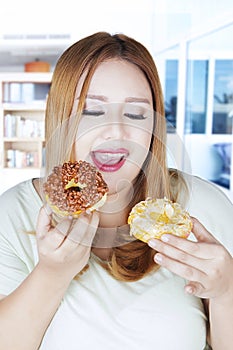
x,y
119,182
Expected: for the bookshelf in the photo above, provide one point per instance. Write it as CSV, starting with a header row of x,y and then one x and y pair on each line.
x,y
22,110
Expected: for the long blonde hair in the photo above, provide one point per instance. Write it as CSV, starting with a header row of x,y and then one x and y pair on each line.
x,y
153,180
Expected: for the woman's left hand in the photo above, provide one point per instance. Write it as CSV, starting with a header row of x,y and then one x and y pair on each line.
x,y
206,264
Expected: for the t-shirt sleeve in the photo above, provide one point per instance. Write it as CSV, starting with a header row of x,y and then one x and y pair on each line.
x,y
17,247
12,268
213,209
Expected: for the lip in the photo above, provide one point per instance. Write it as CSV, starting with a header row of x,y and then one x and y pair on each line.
x,y
109,160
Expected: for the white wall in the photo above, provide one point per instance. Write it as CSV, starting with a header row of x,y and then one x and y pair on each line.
x,y
175,20
156,23
75,20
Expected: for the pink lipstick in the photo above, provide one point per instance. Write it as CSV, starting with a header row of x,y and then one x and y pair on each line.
x,y
109,160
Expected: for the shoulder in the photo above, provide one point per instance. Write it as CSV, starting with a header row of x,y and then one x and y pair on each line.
x,y
210,205
203,193
189,187
19,201
21,190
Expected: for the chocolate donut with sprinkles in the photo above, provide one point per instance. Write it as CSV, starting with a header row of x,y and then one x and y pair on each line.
x,y
75,187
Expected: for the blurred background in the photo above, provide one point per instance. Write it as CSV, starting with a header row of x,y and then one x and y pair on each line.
x,y
191,42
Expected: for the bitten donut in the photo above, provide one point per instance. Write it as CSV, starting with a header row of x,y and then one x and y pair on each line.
x,y
75,187
154,217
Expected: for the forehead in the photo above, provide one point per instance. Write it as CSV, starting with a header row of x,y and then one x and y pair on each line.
x,y
117,80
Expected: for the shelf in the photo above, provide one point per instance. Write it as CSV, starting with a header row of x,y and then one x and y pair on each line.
x,y
23,77
22,114
26,139
32,106
22,168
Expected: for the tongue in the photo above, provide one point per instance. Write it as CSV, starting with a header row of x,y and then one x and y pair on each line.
x,y
107,158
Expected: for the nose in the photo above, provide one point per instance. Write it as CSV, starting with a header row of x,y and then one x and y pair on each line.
x,y
114,128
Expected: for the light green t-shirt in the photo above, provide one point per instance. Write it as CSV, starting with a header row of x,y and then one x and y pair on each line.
x,y
99,312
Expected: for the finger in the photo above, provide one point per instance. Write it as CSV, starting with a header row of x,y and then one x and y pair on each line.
x,y
196,289
201,233
91,230
48,209
75,237
176,249
77,232
199,250
63,227
43,222
185,271
57,235
79,228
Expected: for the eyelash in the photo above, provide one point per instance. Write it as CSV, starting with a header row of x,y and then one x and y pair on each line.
x,y
99,113
92,113
135,116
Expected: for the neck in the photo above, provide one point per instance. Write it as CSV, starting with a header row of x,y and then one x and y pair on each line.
x,y
116,209
113,228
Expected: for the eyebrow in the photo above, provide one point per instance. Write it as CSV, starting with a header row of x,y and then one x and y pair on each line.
x,y
128,99
137,99
97,97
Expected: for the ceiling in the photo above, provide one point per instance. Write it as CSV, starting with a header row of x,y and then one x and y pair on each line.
x,y
18,50
7,58
31,31
43,30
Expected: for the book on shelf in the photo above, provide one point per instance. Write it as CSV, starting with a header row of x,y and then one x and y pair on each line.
x,y
21,159
20,127
22,92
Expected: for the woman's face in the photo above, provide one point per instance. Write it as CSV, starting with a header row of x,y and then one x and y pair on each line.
x,y
115,129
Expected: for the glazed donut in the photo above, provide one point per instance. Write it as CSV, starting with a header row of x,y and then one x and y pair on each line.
x,y
154,217
75,187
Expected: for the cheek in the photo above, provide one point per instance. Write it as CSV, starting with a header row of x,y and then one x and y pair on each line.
x,y
141,138
82,146
85,138
85,129
141,142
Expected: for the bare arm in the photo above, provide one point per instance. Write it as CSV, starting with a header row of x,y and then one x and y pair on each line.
x,y
26,313
221,321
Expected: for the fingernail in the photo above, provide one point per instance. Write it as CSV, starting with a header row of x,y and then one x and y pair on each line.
x,y
48,210
158,258
165,238
189,290
152,243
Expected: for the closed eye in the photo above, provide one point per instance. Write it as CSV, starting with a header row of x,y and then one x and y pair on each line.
x,y
135,116
91,112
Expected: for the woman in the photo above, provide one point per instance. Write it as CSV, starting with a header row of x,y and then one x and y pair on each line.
x,y
62,288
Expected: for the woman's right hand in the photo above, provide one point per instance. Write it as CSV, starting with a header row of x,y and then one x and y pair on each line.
x,y
65,249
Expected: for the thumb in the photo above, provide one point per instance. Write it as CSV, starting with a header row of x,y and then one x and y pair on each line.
x,y
43,221
201,233
91,230
195,288
84,229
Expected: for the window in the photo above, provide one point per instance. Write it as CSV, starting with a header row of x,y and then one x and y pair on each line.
x,y
171,94
223,97
197,75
